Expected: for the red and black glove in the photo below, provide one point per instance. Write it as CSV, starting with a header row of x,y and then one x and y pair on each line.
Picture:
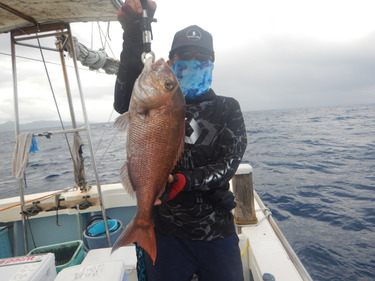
x,y
173,188
126,15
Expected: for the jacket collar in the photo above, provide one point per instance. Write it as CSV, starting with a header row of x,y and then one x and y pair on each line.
x,y
210,95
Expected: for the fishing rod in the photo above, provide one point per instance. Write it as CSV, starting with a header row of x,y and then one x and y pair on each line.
x,y
146,33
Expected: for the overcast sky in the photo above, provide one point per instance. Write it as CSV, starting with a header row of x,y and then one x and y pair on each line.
x,y
269,55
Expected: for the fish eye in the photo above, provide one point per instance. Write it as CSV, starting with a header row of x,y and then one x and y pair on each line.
x,y
168,85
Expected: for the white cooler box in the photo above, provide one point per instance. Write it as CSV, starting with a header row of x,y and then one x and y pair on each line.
x,y
113,270
28,268
127,254
99,264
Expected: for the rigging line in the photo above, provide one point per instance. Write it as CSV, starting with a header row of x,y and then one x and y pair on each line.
x,y
53,94
26,58
41,198
100,141
49,62
108,25
100,35
105,36
105,152
105,129
31,231
92,35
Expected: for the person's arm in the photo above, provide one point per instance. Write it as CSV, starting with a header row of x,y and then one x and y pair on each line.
x,y
130,61
233,144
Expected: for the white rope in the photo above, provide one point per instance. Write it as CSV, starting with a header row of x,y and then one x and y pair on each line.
x,y
90,58
94,59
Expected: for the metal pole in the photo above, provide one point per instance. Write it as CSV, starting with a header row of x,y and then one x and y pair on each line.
x,y
67,86
93,163
17,131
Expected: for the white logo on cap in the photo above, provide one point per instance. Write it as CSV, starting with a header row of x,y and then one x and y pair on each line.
x,y
193,34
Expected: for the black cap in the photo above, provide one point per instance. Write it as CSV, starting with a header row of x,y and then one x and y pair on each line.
x,y
192,36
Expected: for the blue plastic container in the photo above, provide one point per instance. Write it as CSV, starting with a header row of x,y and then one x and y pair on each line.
x,y
5,251
94,237
98,228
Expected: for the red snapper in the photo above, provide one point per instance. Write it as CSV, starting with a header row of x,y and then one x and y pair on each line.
x,y
155,126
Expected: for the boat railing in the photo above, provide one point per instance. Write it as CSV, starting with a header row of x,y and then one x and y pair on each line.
x,y
18,37
246,217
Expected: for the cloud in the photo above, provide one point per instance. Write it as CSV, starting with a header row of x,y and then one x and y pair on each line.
x,y
303,72
268,55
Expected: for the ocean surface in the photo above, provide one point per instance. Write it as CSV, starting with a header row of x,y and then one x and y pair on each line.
x,y
314,168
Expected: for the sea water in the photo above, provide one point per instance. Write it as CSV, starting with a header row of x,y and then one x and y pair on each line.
x,y
314,168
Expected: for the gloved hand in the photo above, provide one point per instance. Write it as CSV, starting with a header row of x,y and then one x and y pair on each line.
x,y
173,188
126,15
131,11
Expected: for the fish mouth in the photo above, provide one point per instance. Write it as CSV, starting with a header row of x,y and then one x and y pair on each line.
x,y
159,70
151,66
158,64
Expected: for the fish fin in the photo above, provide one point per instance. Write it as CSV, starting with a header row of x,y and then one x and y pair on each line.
x,y
142,109
125,180
143,234
121,122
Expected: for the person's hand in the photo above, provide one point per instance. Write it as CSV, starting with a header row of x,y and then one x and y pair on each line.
x,y
175,184
132,10
136,5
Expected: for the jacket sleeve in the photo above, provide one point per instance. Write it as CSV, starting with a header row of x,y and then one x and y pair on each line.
x,y
217,172
130,66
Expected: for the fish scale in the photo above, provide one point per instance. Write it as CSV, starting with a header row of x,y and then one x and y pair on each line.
x,y
155,125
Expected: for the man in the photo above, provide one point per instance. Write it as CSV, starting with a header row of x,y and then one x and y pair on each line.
x,y
195,232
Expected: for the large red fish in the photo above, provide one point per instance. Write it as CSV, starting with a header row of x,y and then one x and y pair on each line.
x,y
155,125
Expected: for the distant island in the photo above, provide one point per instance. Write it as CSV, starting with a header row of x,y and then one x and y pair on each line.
x,y
9,126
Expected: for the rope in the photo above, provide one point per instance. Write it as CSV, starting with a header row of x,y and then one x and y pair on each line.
x,y
49,62
44,197
246,247
100,141
53,94
105,37
92,59
31,231
95,60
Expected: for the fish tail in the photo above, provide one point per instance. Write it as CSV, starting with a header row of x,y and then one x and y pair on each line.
x,y
141,232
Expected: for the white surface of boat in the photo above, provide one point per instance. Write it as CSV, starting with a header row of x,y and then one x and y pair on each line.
x,y
265,252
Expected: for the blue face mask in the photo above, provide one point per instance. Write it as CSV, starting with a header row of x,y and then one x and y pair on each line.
x,y
195,77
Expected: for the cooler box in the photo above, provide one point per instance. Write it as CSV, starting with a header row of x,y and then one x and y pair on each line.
x,y
126,254
66,254
28,268
113,270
